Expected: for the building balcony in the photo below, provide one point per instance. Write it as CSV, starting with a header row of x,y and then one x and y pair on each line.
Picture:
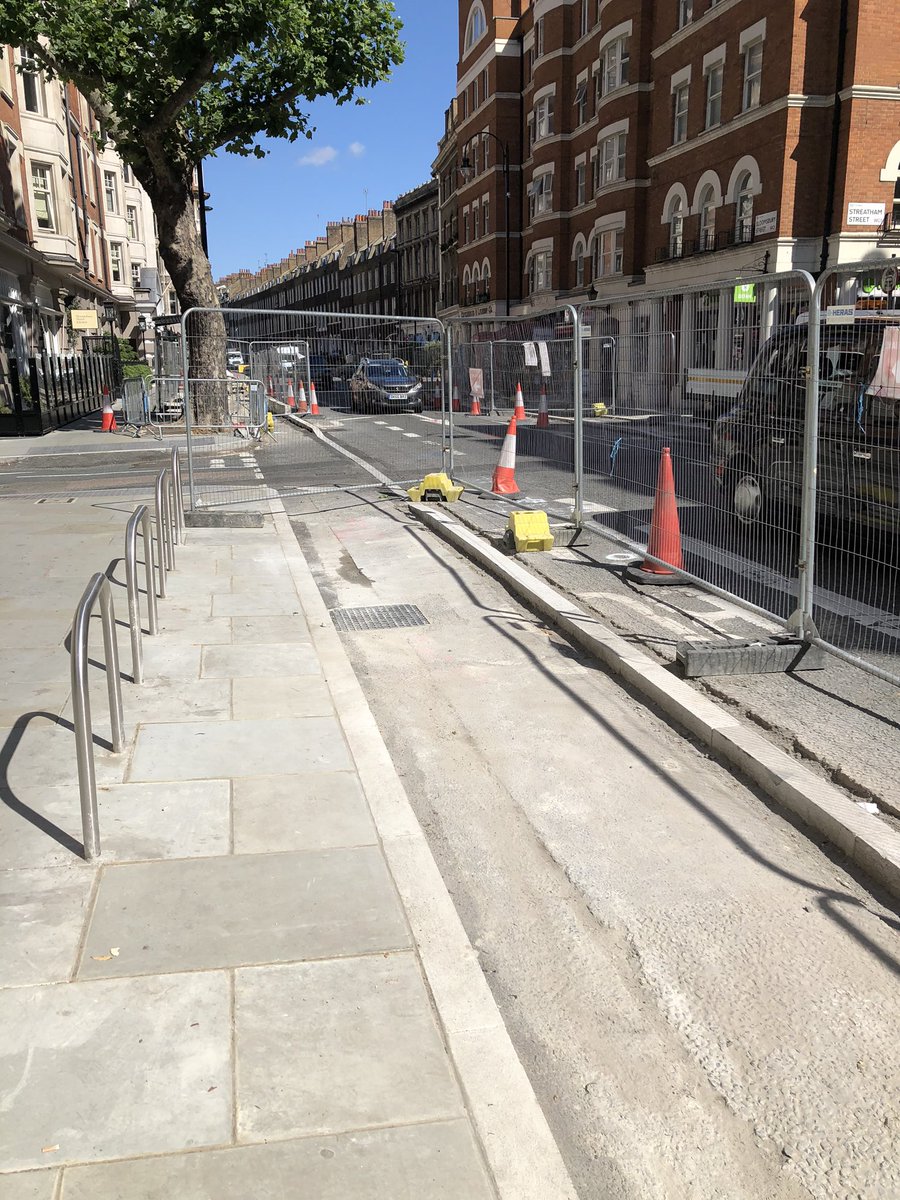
x,y
889,234
707,243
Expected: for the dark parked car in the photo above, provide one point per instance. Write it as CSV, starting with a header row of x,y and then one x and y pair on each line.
x,y
385,383
758,445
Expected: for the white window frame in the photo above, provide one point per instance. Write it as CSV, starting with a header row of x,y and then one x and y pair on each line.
x,y
581,90
110,191
611,153
743,208
751,89
675,222
540,271
539,38
581,195
685,12
134,226
615,60
608,252
6,72
472,37
135,275
715,75
48,192
707,212
116,252
486,213
540,194
681,101
36,80
544,116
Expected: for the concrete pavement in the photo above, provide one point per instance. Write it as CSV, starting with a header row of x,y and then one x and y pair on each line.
x,y
263,987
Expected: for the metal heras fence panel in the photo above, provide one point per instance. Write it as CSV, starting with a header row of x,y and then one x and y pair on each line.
x,y
850,578
349,401
493,361
700,372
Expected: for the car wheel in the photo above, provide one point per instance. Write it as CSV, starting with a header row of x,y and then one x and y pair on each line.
x,y
747,494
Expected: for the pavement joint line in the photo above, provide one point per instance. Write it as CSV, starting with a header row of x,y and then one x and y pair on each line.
x,y
518,1146
360,462
870,844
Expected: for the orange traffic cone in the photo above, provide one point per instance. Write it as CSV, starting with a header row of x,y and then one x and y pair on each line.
x,y
437,402
543,417
457,407
519,411
313,402
504,481
271,392
290,401
665,533
302,406
108,420
475,410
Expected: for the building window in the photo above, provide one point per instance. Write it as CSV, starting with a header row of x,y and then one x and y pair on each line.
x,y
614,69
474,93
580,184
714,77
126,173
708,218
612,159
753,56
540,191
539,37
680,113
34,96
42,191
135,275
173,304
131,215
476,221
676,227
685,12
608,253
581,102
743,208
5,75
476,27
540,271
585,19
110,191
115,261
465,226
486,215
543,118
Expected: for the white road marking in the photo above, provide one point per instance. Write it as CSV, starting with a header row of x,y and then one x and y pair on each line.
x,y
395,428
415,435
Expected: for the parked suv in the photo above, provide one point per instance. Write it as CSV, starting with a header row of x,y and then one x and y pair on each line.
x,y
757,448
385,383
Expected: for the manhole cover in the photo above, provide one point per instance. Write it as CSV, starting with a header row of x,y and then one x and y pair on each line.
x,y
382,616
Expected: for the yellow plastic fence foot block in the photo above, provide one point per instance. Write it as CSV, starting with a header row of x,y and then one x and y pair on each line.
x,y
270,422
436,487
600,409
529,531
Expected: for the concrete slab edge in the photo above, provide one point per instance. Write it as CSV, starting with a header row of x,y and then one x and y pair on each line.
x,y
871,845
519,1148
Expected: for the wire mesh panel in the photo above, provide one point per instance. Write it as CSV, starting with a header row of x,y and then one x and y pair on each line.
x,y
496,363
284,402
856,601
712,374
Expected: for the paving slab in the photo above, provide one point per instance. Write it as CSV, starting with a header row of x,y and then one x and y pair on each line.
x,y
42,914
238,749
253,659
292,628
329,1046
137,821
29,1185
281,696
255,604
301,812
437,1161
194,914
179,627
115,1068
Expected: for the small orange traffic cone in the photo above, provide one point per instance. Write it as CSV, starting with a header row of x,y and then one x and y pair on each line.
x,y
504,481
108,420
519,411
271,392
457,407
313,402
475,410
543,417
290,401
665,532
302,406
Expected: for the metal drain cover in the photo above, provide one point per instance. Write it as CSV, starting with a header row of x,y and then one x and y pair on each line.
x,y
382,616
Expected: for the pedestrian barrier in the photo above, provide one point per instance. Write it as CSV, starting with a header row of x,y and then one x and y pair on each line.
x,y
169,519
136,410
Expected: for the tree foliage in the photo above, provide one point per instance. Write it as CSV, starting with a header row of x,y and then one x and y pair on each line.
x,y
175,80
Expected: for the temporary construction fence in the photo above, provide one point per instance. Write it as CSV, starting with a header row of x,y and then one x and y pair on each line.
x,y
286,402
779,399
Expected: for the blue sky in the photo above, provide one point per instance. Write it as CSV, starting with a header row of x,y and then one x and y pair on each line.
x,y
358,156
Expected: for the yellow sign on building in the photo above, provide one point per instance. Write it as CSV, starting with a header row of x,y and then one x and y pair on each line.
x,y
84,318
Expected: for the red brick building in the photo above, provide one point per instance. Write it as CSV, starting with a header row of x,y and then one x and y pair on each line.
x,y
666,142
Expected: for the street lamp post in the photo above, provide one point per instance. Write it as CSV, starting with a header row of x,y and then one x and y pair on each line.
x,y
466,167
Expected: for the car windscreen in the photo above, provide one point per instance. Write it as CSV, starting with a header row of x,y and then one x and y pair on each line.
x,y
379,371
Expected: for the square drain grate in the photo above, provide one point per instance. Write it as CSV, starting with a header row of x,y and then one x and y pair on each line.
x,y
382,616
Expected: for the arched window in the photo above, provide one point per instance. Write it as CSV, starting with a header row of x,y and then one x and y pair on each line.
x,y
476,26
707,211
486,280
676,227
743,209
